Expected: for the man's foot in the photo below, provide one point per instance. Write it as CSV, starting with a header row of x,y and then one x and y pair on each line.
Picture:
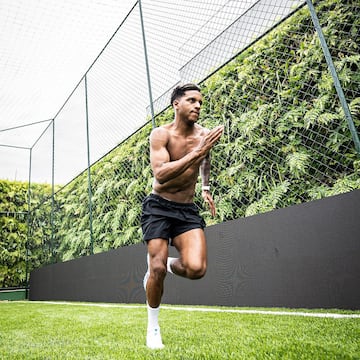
x,y
147,274
153,339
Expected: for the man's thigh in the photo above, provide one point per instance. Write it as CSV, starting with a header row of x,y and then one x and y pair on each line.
x,y
191,245
158,249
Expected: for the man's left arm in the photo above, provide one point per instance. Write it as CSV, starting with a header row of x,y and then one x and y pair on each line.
x,y
205,187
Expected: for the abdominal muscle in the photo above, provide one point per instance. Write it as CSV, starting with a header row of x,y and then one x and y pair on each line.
x,y
180,189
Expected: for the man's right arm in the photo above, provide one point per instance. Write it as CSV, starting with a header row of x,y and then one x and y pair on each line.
x,y
165,170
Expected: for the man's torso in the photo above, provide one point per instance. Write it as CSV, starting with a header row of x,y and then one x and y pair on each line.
x,y
182,188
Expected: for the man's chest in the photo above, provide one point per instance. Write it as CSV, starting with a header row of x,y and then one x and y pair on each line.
x,y
179,146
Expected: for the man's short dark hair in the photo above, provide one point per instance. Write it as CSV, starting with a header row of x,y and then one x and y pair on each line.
x,y
179,91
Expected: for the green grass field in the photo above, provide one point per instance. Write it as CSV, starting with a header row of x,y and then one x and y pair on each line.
x,y
35,330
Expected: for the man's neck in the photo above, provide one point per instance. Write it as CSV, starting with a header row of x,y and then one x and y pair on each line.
x,y
183,126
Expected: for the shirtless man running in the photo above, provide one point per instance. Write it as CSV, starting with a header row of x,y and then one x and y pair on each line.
x,y
177,152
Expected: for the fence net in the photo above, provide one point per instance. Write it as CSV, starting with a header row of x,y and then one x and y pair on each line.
x,y
264,76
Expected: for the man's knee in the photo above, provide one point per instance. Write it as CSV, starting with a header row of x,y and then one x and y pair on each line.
x,y
158,269
196,270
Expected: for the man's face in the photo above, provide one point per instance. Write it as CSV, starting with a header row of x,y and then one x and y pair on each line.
x,y
188,106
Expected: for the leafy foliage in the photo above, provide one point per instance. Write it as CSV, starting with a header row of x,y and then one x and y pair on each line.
x,y
20,247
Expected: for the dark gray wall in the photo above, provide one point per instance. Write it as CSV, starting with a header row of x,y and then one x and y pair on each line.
x,y
306,255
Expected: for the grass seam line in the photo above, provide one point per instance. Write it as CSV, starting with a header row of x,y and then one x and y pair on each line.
x,y
199,309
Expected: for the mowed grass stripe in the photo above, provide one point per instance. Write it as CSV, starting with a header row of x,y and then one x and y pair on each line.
x,y
40,330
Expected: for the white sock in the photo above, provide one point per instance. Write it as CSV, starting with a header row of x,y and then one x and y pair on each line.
x,y
170,260
153,317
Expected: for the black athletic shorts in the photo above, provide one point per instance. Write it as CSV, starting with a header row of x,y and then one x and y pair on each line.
x,y
166,219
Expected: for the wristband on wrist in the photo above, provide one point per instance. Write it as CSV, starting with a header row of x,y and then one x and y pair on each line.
x,y
205,187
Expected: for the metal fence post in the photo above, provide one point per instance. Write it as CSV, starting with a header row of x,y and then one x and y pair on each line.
x,y
88,169
334,75
147,66
28,226
52,192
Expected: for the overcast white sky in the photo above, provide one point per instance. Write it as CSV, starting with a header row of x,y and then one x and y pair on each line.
x,y
46,47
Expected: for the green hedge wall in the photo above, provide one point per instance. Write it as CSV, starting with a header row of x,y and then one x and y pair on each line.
x,y
15,250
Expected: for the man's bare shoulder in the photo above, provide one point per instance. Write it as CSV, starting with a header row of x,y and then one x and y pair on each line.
x,y
160,133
